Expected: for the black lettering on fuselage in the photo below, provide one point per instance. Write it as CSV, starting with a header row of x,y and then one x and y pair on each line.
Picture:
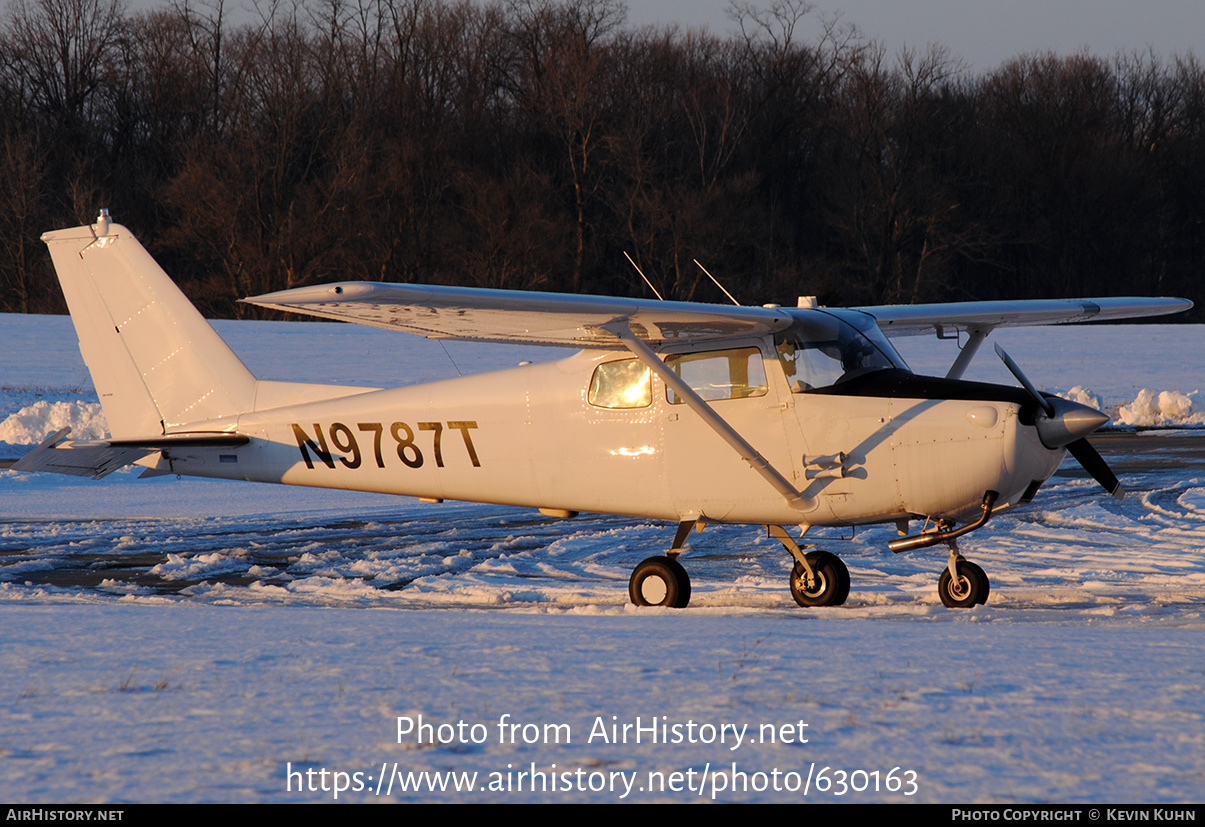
x,y
304,442
464,427
351,455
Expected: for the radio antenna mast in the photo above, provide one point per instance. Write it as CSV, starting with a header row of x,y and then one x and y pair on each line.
x,y
643,276
717,283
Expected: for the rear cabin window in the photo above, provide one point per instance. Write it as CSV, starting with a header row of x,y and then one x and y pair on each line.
x,y
626,384
720,374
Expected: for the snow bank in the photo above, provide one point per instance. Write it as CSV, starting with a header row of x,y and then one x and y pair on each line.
x,y
1084,396
1164,408
35,422
1147,409
1026,702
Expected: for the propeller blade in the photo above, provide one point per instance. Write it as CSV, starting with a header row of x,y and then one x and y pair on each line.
x,y
1094,464
1020,376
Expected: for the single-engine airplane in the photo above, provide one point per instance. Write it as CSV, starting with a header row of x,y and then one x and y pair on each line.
x,y
690,413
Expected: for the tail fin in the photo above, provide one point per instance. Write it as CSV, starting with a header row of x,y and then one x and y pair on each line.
x,y
155,361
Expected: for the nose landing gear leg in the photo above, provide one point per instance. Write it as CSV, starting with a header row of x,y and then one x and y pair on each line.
x,y
963,585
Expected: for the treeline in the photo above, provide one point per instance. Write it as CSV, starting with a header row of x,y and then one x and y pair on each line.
x,y
529,144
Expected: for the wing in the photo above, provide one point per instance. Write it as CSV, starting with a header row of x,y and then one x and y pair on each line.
x,y
580,321
911,319
518,316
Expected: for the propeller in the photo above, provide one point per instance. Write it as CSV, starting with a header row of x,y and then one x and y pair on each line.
x,y
1087,456
1066,424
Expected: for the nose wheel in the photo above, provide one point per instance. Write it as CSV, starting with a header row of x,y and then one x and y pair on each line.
x,y
660,581
968,588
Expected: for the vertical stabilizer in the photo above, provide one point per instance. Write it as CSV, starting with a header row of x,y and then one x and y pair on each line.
x,y
155,361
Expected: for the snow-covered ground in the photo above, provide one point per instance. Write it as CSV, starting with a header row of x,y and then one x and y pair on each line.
x,y
193,640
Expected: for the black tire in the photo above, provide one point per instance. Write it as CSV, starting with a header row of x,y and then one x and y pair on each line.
x,y
660,581
982,575
972,587
832,581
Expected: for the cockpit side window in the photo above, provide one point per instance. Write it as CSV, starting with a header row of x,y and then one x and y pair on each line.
x,y
623,384
737,373
822,350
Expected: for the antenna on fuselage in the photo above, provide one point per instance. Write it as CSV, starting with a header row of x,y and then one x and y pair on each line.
x,y
643,276
717,282
455,366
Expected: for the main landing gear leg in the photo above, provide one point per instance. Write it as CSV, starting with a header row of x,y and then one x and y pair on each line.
x,y
661,580
819,578
963,585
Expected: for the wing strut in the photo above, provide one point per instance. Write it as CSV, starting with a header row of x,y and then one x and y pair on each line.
x,y
705,412
978,334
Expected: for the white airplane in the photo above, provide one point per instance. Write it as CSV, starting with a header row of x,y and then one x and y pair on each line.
x,y
690,413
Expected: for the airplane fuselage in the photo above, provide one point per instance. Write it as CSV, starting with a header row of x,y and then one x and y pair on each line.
x,y
530,436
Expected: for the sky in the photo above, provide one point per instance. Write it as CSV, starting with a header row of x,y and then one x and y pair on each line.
x,y
984,33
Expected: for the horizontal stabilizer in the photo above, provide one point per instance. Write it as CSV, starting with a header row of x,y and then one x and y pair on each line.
x,y
99,458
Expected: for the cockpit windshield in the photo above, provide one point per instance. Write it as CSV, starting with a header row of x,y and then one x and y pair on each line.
x,y
825,347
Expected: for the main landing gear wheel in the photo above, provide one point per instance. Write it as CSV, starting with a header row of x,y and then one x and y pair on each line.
x,y
660,581
970,590
831,585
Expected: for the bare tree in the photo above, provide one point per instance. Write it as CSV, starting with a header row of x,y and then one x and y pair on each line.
x,y
63,50
564,82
